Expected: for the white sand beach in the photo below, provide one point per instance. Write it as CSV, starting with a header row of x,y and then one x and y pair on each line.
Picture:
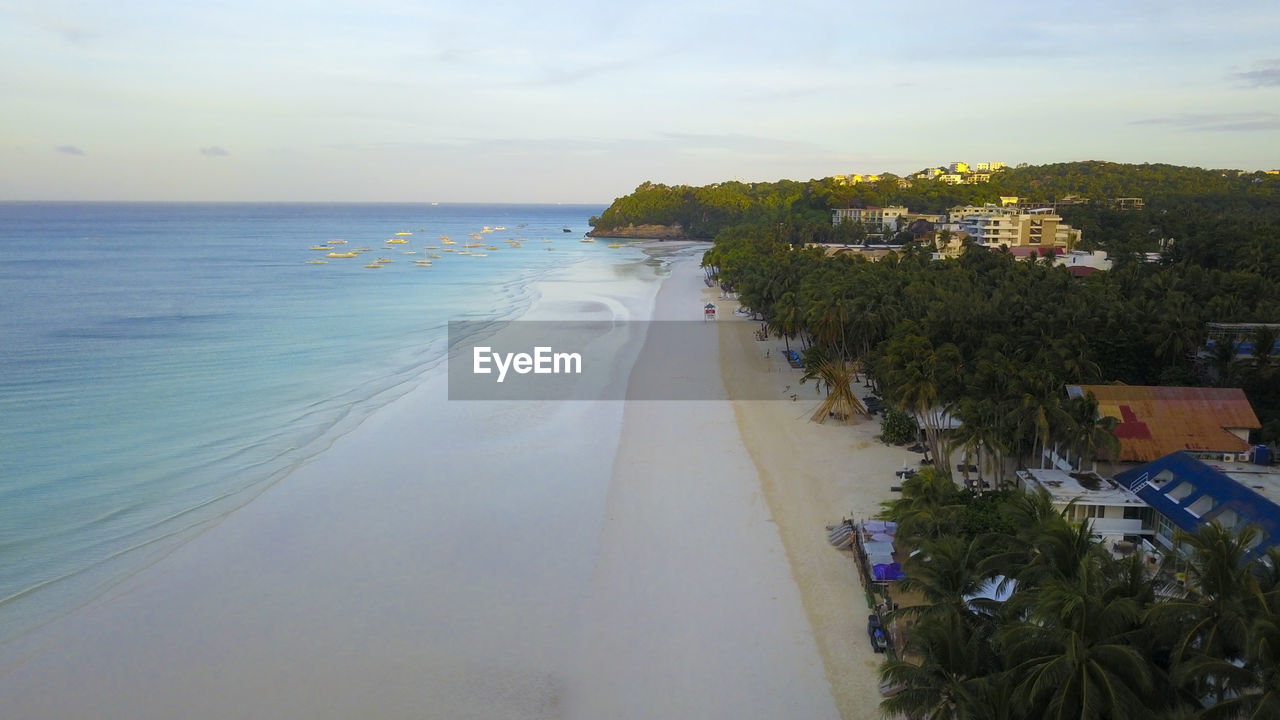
x,y
444,560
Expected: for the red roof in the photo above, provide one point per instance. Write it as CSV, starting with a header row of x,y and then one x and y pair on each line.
x,y
1025,251
1156,421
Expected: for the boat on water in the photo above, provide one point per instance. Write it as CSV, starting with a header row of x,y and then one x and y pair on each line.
x,y
567,229
587,239
336,254
384,261
317,262
336,242
403,232
397,241
430,247
373,265
464,252
492,247
422,263
447,241
321,247
434,255
475,244
615,245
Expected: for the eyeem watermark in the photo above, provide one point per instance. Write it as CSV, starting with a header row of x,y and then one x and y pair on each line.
x,y
543,361
612,360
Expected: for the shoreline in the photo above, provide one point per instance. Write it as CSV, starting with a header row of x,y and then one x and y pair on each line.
x,y
445,556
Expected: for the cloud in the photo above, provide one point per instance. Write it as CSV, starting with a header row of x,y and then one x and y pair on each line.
x,y
1265,73
69,150
1218,122
214,151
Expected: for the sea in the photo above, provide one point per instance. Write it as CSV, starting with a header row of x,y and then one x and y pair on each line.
x,y
161,364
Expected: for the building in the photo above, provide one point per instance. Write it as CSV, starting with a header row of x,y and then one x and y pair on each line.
x,y
1211,423
874,219
1083,264
1118,516
1185,493
959,167
994,226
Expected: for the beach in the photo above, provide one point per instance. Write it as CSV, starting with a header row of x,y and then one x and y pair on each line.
x,y
553,560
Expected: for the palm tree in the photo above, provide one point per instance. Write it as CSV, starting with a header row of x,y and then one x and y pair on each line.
x,y
1070,659
1211,623
947,573
1041,414
785,320
1091,433
916,376
928,507
952,679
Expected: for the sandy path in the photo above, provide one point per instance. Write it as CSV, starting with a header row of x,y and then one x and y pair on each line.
x,y
812,475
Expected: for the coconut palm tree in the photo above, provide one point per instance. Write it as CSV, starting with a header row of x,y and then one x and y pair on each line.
x,y
928,508
953,678
1090,433
1211,623
947,574
1070,659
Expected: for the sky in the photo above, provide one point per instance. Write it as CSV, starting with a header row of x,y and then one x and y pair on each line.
x,y
575,101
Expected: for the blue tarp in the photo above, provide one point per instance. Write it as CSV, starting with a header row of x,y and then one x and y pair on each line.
x,y
890,571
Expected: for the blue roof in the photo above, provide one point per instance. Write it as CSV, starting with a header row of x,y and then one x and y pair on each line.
x,y
1250,507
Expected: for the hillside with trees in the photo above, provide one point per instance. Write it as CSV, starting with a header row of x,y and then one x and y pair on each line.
x,y
1219,219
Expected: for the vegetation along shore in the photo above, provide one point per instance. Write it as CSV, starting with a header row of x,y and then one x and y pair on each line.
x,y
972,345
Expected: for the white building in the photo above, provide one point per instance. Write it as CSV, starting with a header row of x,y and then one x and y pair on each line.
x,y
874,219
1116,514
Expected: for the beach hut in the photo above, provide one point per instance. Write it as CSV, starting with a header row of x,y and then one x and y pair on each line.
x,y
709,311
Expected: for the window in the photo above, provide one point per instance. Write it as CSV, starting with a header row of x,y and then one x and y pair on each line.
x,y
1202,505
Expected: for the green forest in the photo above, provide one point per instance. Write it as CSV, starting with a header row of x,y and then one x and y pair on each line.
x,y
1220,219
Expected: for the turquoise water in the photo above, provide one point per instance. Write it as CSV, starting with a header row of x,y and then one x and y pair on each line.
x,y
163,363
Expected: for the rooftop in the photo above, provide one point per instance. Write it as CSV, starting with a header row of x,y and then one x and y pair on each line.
x,y
1156,421
1190,493
1088,488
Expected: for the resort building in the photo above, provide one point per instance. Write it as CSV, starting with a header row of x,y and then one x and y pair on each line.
x,y
1185,493
993,226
